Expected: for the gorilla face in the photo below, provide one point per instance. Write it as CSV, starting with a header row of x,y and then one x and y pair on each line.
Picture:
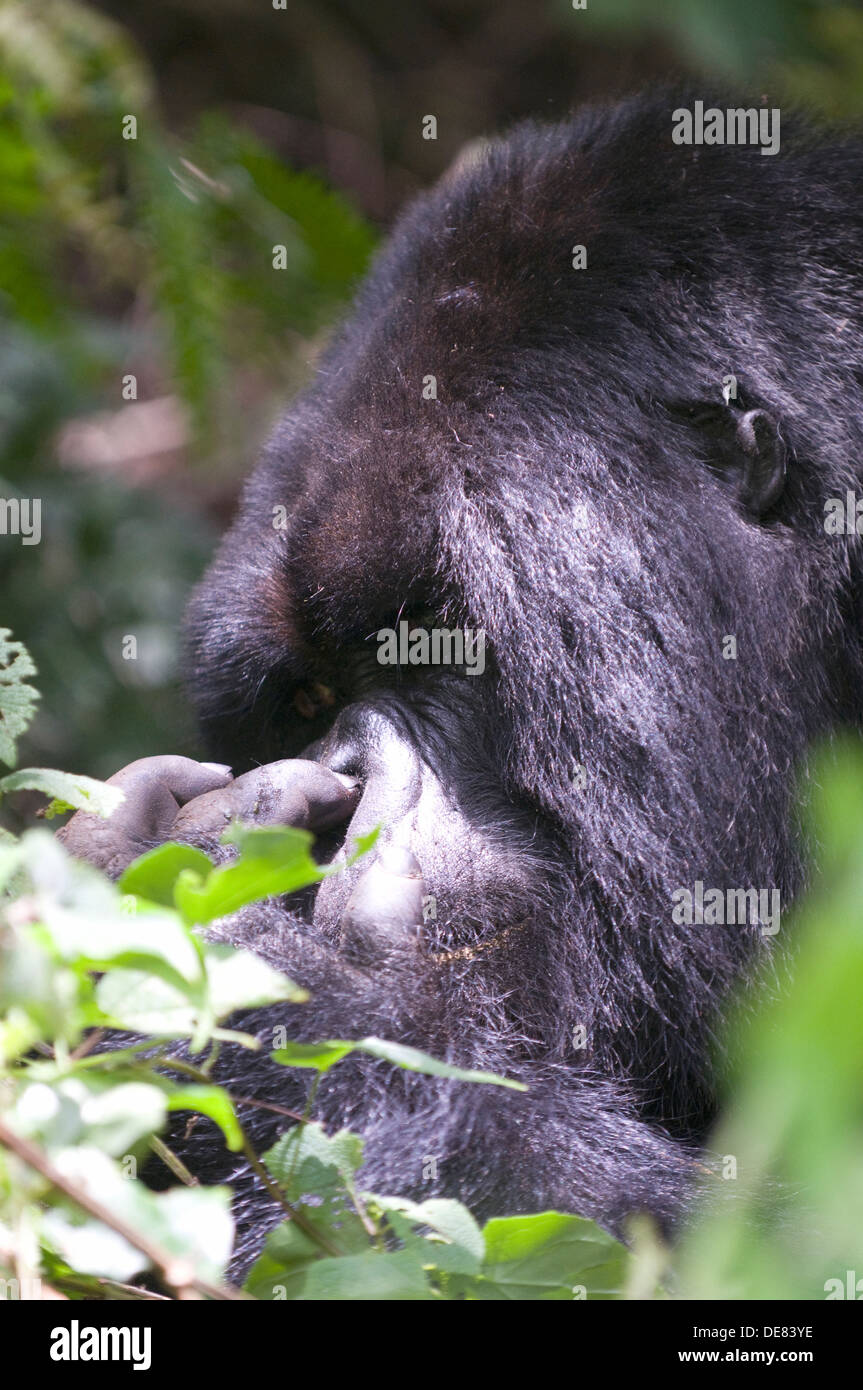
x,y
618,474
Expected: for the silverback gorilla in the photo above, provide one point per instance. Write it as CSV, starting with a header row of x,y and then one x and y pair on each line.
x,y
615,464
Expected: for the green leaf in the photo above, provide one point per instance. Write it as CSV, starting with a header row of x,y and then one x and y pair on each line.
x,y
142,1003
338,240
292,1267
89,1247
154,874
367,1278
324,1055
213,1102
243,980
444,1215
193,1223
281,1268
455,1244
69,790
413,1060
11,861
89,1110
234,980
156,940
794,1123
545,1257
316,1172
17,700
275,860
320,1056
191,301
40,1000
343,1152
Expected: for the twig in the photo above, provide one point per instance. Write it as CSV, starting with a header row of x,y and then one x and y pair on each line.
x,y
110,1289
300,1220
177,1275
172,1161
87,1044
269,1105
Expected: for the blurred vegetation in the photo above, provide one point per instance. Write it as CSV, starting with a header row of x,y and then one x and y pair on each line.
x,y
794,1099
148,257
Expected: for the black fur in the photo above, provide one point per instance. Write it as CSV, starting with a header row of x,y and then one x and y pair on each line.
x,y
581,491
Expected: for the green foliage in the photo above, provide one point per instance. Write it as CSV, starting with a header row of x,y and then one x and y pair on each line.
x,y
273,860
811,50
387,1248
321,1056
78,954
153,257
68,791
191,225
795,1123
94,1114
17,699
828,76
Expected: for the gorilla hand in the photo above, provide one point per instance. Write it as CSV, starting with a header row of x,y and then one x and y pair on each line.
x,y
291,792
176,798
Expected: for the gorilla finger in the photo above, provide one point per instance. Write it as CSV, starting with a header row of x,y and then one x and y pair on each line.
x,y
154,787
291,792
183,777
385,910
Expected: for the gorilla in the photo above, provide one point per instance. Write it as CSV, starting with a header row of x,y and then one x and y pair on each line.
x,y
591,403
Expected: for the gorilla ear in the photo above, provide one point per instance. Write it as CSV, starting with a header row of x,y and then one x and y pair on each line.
x,y
744,447
762,467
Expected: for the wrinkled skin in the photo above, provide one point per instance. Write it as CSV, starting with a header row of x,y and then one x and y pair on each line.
x,y
581,490
173,798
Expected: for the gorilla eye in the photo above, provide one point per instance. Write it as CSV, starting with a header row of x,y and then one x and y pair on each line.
x,y
422,617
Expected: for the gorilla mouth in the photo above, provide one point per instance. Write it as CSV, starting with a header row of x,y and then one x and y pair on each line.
x,y
458,868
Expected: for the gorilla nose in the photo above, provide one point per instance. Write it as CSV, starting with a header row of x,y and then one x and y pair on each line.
x,y
368,745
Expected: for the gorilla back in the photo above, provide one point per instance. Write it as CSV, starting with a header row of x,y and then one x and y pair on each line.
x,y
616,465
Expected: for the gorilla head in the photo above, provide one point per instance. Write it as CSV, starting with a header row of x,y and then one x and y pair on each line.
x,y
614,464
